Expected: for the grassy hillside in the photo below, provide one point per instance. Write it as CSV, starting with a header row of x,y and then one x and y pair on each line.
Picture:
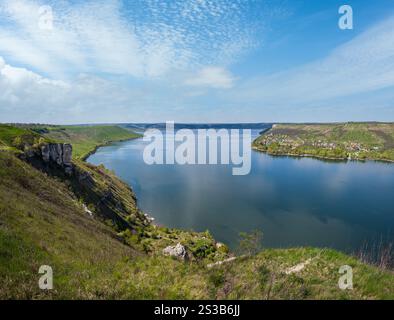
x,y
85,139
16,139
361,141
69,223
42,222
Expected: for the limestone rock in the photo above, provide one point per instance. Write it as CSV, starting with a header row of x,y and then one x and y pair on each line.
x,y
67,153
45,153
58,153
178,251
219,245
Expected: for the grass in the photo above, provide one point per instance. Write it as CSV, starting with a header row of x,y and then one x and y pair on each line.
x,y
85,139
43,221
360,141
264,277
17,139
9,134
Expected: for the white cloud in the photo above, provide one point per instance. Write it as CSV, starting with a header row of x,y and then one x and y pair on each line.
x,y
145,38
26,96
213,77
21,88
154,44
21,77
364,64
113,60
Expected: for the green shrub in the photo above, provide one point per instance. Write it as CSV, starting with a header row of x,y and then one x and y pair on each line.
x,y
216,277
250,243
201,248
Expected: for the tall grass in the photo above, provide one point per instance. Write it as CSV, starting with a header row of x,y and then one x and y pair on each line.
x,y
379,253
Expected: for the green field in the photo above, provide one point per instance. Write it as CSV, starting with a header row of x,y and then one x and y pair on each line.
x,y
14,138
85,139
359,141
69,223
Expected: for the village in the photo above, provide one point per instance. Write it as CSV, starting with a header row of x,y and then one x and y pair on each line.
x,y
285,141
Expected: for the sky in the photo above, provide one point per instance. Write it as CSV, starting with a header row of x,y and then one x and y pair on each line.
x,y
69,62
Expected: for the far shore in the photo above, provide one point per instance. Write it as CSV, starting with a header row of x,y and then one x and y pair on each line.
x,y
294,155
106,144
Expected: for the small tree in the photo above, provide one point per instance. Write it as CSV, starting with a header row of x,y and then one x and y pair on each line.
x,y
250,243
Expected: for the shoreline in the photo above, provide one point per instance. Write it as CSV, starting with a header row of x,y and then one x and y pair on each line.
x,y
333,159
106,144
153,220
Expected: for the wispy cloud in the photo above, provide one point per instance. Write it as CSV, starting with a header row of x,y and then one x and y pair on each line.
x,y
362,65
148,59
142,39
212,77
27,97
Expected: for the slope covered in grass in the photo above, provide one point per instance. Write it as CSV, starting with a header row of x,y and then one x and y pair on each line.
x,y
14,138
302,273
85,139
41,222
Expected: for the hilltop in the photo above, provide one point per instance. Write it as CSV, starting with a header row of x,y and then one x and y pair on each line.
x,y
85,139
357,141
86,224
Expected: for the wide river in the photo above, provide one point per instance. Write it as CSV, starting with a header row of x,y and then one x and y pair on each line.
x,y
293,201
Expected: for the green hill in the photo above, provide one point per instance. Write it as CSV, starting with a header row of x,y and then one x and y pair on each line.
x,y
85,139
87,226
15,138
360,141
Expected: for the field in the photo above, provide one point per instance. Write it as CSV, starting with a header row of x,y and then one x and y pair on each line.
x,y
85,139
359,141
14,138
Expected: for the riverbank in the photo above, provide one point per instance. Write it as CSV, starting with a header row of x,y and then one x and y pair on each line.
x,y
66,221
337,142
334,159
107,143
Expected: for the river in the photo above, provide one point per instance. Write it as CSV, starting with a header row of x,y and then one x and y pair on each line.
x,y
293,201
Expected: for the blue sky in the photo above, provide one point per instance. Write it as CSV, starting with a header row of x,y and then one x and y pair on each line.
x,y
195,61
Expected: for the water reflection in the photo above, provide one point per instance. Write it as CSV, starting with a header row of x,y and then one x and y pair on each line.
x,y
294,201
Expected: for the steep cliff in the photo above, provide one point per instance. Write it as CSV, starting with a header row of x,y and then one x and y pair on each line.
x,y
58,153
102,192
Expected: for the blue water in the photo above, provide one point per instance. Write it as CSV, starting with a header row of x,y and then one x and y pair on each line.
x,y
293,201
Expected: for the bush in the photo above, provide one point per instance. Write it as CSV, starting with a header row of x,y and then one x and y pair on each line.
x,y
216,277
201,248
223,249
264,275
250,243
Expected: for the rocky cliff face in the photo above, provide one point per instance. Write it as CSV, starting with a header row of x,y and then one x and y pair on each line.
x,y
58,153
111,198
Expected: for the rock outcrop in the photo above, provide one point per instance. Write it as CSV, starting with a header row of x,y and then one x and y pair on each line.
x,y
111,199
58,153
178,251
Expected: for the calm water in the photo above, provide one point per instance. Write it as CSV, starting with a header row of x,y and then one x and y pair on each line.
x,y
295,202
